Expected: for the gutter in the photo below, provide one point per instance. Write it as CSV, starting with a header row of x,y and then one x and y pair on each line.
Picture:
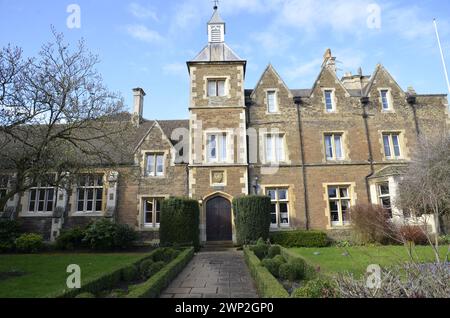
x,y
298,102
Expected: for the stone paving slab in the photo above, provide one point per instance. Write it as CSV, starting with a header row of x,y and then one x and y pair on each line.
x,y
213,275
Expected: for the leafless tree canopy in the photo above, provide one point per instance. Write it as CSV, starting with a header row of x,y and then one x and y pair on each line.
x,y
425,189
56,115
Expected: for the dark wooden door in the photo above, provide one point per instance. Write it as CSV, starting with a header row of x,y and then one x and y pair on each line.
x,y
218,220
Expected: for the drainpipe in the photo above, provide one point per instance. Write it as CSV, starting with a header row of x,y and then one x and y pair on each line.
x,y
365,103
298,102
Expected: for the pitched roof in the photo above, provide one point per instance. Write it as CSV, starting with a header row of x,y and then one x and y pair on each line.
x,y
217,52
216,18
389,171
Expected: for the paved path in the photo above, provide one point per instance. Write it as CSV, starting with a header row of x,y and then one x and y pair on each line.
x,y
213,275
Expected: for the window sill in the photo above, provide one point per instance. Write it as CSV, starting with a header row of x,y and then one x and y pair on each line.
x,y
36,215
85,214
148,228
280,228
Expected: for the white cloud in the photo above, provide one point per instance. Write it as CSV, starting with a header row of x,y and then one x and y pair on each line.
x,y
142,33
272,41
304,70
142,12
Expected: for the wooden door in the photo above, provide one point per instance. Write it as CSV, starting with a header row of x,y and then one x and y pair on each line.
x,y
218,220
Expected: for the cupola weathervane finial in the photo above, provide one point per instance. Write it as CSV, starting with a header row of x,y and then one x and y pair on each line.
x,y
216,4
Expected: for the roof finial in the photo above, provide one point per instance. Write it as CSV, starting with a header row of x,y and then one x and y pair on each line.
x,y
216,4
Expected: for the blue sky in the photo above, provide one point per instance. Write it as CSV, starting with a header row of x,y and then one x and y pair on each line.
x,y
146,43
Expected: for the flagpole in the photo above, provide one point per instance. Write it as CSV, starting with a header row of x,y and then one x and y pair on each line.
x,y
442,56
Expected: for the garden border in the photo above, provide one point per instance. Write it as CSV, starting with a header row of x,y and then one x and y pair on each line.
x,y
153,287
267,285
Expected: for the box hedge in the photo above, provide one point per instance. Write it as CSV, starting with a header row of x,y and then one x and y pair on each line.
x,y
267,285
252,218
300,239
153,287
180,222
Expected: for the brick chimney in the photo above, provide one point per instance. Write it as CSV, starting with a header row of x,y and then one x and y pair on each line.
x,y
138,105
329,61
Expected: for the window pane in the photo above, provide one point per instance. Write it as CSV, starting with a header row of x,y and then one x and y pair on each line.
x,y
271,105
343,192
80,206
89,206
338,145
100,181
329,147
396,144
221,88
282,195
159,165
223,141
387,146
283,208
33,195
384,189
385,100
148,218
332,192
329,100
212,145
150,165
269,149
212,88
273,213
272,194
345,211
279,144
41,195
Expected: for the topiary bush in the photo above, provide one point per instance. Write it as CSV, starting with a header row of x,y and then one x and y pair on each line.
x,y
180,222
150,268
106,235
300,239
274,250
143,267
71,239
261,249
273,265
292,271
165,255
9,232
29,243
252,218
317,288
130,273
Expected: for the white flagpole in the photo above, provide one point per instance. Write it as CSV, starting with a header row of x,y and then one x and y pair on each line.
x,y
442,56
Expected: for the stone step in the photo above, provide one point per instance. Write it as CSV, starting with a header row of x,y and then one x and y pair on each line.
x,y
218,246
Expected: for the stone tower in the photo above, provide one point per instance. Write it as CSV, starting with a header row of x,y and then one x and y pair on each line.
x,y
218,169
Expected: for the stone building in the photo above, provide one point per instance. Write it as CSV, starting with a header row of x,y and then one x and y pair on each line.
x,y
315,152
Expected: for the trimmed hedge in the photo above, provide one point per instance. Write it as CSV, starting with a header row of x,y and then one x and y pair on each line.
x,y
180,222
300,239
267,285
156,284
9,232
252,215
309,271
107,281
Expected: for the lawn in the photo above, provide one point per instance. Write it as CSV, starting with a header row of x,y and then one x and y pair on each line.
x,y
356,259
45,274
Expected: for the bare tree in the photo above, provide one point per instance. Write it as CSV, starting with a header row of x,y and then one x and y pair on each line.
x,y
56,115
425,189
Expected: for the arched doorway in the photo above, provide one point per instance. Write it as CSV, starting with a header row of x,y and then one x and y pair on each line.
x,y
218,220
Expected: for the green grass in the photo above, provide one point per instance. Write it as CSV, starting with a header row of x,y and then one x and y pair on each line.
x,y
331,260
45,274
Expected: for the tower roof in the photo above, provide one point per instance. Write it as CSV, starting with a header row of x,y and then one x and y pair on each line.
x,y
216,18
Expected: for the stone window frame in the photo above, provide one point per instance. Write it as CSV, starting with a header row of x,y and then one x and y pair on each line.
x,y
381,196
74,198
353,199
276,91
285,148
227,79
229,146
144,154
389,97
333,99
141,217
402,143
344,146
290,200
25,202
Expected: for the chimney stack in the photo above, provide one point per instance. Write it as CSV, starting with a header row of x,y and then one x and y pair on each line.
x,y
329,61
138,105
